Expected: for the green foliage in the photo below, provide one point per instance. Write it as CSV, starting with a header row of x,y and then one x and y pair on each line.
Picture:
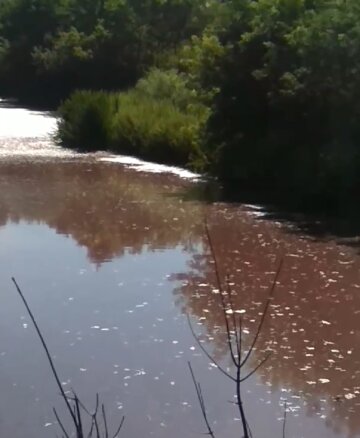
x,y
196,60
86,120
4,47
287,110
62,45
157,130
160,119
264,92
70,49
172,86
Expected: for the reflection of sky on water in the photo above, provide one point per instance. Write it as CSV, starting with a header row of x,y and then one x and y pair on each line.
x,y
116,328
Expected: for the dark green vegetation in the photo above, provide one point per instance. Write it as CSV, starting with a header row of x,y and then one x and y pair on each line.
x,y
56,46
264,93
159,119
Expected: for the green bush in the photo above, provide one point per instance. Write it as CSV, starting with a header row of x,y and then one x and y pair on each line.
x,y
168,85
156,129
287,110
86,120
161,119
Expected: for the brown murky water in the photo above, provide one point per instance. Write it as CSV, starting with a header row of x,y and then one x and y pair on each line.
x,y
112,259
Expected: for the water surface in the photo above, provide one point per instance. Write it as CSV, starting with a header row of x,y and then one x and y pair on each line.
x,y
112,256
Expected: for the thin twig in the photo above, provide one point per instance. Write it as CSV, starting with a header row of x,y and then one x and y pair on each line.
x,y
96,426
201,402
105,421
240,337
213,254
256,368
235,329
78,416
234,334
60,423
207,354
267,304
52,366
73,403
91,428
221,291
239,400
284,420
120,427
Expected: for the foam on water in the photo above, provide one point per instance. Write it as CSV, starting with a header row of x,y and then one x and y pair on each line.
x,y
146,166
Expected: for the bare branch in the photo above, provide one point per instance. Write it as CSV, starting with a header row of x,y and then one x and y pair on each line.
x,y
207,354
73,403
105,421
60,423
221,291
78,416
213,254
119,428
234,334
228,288
284,420
201,401
263,316
52,366
256,368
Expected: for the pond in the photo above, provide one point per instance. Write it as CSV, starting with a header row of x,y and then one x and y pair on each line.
x,y
112,255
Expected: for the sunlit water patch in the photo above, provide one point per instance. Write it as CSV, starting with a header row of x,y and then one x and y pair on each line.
x,y
145,166
30,148
24,123
28,134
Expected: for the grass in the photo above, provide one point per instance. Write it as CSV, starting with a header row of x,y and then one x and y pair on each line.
x,y
157,130
161,119
86,120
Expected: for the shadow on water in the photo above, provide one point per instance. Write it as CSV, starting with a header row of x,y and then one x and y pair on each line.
x,y
319,218
12,103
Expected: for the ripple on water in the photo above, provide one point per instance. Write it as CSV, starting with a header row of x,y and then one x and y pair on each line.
x,y
31,148
111,272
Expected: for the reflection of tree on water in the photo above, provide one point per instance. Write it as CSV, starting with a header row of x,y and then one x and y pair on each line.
x,y
313,324
107,210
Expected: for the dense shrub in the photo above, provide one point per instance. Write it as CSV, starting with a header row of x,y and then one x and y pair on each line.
x,y
287,111
87,120
168,85
62,45
157,130
160,119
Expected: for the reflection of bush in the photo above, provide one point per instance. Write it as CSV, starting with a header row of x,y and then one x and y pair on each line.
x,y
104,208
310,329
